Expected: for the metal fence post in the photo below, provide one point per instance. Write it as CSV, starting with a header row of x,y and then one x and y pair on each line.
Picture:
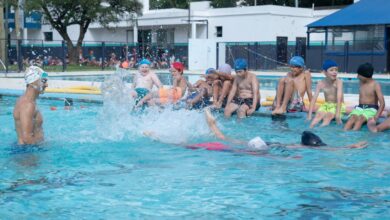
x,y
103,54
372,52
346,55
248,55
63,56
19,54
322,52
256,50
217,55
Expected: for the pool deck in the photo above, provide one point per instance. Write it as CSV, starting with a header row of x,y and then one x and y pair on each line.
x,y
12,84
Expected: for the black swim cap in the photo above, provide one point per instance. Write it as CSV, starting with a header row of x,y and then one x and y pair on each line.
x,y
366,70
310,139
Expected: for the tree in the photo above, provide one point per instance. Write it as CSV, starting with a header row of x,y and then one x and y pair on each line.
x,y
64,13
162,4
223,3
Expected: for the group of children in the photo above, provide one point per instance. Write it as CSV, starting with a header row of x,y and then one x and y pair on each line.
x,y
241,93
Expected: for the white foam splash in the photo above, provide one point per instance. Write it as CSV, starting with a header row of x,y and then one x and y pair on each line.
x,y
119,121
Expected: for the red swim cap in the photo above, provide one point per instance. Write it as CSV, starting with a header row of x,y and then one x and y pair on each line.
x,y
178,66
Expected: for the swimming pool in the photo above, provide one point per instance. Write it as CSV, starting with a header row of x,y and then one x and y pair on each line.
x,y
97,164
350,85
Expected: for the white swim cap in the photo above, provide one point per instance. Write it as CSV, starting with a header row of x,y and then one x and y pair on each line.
x,y
34,73
225,68
258,144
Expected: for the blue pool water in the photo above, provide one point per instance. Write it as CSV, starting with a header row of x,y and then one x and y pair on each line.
x,y
97,164
350,86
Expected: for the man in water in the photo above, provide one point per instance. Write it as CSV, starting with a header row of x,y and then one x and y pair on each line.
x,y
28,119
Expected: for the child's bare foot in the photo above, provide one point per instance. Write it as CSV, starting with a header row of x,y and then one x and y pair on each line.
x,y
217,105
278,111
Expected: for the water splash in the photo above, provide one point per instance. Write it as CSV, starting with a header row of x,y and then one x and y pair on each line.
x,y
119,121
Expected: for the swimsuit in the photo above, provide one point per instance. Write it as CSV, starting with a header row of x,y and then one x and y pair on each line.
x,y
329,107
367,110
247,101
205,101
141,92
172,94
295,104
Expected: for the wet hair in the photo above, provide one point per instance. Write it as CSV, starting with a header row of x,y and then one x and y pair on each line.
x,y
366,70
310,139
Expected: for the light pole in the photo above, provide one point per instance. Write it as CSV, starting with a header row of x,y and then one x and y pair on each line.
x,y
6,37
189,19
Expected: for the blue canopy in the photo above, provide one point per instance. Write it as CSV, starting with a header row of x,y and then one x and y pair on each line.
x,y
364,12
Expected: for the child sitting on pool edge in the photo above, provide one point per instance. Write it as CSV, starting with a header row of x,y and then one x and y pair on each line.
x,y
201,91
292,88
168,95
144,80
332,88
370,96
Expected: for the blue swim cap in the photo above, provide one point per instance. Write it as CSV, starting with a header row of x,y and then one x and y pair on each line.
x,y
240,64
297,61
144,61
209,71
45,75
328,64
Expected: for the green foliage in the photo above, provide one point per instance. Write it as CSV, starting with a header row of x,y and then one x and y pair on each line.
x,y
162,4
223,3
68,12
64,13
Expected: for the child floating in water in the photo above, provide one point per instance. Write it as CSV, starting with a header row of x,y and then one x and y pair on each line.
x,y
369,97
308,139
333,92
168,95
144,80
291,89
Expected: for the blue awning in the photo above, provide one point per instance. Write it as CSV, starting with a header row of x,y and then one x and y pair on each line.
x,y
364,12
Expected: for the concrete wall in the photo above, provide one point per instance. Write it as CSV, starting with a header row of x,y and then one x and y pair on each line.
x,y
201,54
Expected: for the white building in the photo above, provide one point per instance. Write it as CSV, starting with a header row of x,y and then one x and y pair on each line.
x,y
240,24
201,25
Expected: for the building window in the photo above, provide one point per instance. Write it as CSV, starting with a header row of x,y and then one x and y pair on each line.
x,y
219,31
48,36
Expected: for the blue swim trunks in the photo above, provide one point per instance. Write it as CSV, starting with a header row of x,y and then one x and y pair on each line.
x,y
141,92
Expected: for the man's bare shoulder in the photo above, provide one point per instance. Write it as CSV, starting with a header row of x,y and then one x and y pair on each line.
x,y
26,106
